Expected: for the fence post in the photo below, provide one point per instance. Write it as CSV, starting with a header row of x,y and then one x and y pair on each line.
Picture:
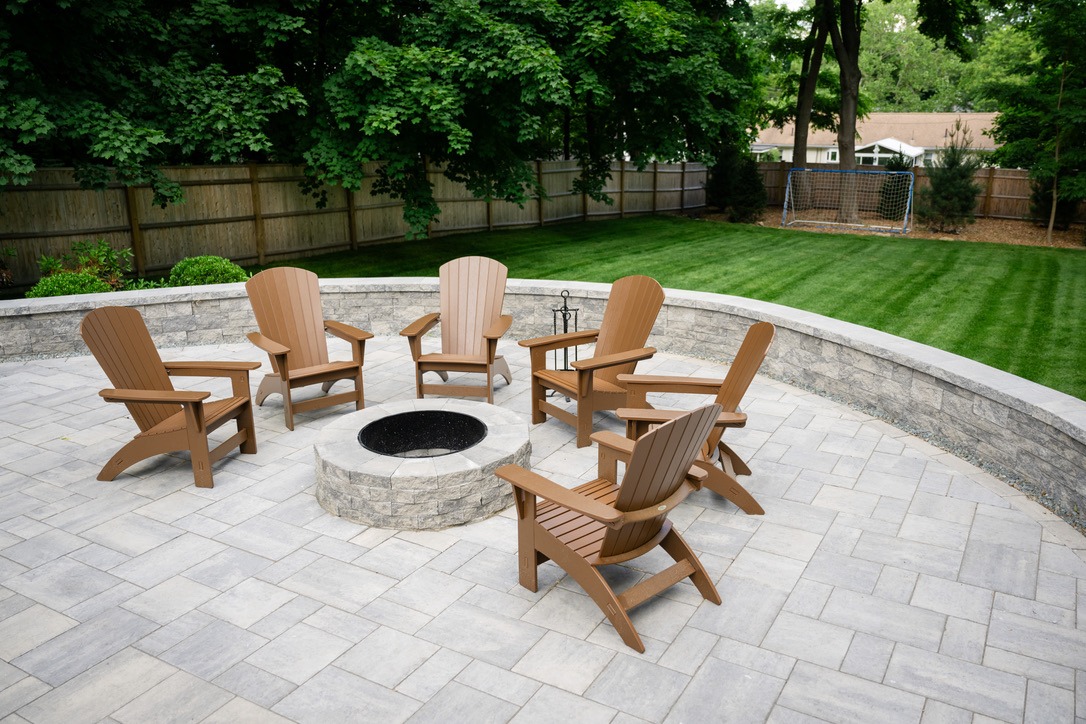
x,y
352,224
682,187
258,216
987,207
489,214
539,180
137,233
622,189
655,183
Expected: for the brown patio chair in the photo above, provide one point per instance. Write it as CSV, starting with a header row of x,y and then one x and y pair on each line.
x,y
604,522
729,393
169,420
631,311
472,290
287,304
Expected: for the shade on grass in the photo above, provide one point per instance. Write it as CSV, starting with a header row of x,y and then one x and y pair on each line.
x,y
1020,309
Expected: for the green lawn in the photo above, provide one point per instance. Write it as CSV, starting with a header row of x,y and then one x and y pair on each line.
x,y
1021,309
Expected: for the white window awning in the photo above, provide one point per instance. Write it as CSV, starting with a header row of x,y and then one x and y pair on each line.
x,y
889,146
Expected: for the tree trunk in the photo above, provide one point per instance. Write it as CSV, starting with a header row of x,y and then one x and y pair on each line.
x,y
808,85
846,46
1056,154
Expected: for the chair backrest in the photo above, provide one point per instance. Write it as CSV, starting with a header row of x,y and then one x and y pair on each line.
x,y
119,340
472,293
631,311
287,304
661,458
747,361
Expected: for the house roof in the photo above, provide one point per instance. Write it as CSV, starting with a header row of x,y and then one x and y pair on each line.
x,y
926,130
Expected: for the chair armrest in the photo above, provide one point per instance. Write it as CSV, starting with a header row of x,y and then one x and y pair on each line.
x,y
346,331
500,327
656,417
421,326
268,345
538,485
681,385
558,341
209,369
610,360
623,447
155,396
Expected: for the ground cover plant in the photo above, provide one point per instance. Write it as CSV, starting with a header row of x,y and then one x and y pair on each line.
x,y
1016,308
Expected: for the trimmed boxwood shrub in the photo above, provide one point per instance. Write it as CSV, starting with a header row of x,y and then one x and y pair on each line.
x,y
197,270
62,283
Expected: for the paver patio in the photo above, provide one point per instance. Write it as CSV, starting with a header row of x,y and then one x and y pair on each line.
x,y
888,581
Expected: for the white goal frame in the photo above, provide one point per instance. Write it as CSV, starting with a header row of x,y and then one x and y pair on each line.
x,y
876,200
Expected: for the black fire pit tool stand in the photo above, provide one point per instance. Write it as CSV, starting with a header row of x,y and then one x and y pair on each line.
x,y
565,313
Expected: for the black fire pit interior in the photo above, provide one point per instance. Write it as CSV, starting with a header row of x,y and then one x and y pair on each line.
x,y
423,433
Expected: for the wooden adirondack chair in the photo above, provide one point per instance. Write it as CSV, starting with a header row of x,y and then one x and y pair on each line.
x,y
472,292
603,522
594,382
169,420
287,305
729,393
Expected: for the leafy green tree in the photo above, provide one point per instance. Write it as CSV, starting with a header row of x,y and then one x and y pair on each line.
x,y
118,88
947,202
1042,123
130,85
1004,57
800,72
904,70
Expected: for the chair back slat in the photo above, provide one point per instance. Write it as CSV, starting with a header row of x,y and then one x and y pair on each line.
x,y
119,340
631,311
472,294
660,461
744,367
286,302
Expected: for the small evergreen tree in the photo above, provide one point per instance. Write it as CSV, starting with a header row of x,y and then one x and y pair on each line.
x,y
946,204
735,186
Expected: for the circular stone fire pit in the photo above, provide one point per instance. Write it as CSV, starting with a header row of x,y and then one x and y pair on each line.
x,y
419,464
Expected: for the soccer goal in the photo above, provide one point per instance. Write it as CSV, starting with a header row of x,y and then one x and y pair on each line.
x,y
877,200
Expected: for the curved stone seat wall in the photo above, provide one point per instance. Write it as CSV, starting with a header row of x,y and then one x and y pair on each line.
x,y
1030,434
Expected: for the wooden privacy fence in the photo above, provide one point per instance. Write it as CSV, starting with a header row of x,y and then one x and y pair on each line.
x,y
1004,192
255,213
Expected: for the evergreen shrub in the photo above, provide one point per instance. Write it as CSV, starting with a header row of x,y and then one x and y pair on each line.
x,y
196,270
68,282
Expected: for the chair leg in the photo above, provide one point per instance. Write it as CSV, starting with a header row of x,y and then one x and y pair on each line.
x,y
288,410
245,423
538,393
360,402
328,385
268,386
677,548
201,460
501,367
730,489
418,383
489,385
584,423
738,467
132,452
596,586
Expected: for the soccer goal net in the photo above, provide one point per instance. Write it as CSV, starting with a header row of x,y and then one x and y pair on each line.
x,y
878,200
